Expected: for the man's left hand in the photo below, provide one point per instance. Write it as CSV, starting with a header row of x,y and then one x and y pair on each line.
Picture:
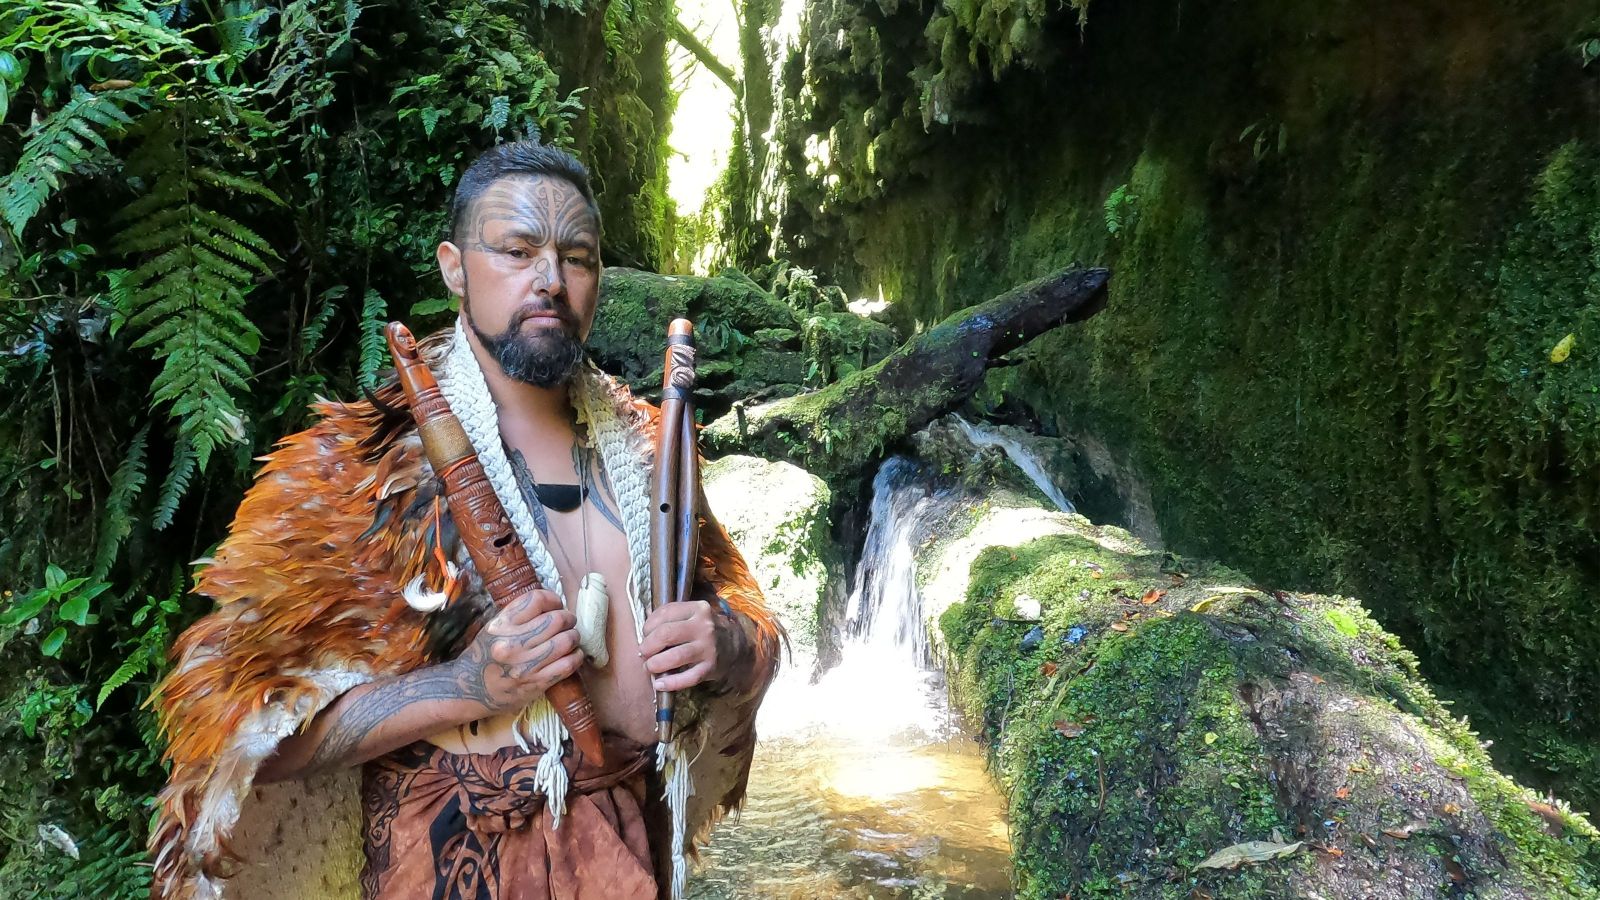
x,y
687,643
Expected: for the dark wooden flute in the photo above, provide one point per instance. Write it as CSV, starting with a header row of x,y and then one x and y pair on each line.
x,y
485,528
675,520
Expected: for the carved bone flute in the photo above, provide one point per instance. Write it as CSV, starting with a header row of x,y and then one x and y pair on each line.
x,y
485,529
675,520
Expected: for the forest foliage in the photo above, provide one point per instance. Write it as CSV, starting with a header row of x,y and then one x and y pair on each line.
x,y
207,211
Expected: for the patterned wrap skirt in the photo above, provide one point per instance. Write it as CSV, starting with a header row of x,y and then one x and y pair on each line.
x,y
451,826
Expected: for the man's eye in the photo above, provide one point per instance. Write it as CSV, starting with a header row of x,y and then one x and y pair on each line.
x,y
517,253
578,261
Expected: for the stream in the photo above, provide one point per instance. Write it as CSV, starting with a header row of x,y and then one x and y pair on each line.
x,y
865,783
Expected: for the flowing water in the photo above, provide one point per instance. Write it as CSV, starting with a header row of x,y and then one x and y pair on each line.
x,y
1020,456
864,783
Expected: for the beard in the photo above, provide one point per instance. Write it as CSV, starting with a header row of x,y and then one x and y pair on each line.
x,y
544,360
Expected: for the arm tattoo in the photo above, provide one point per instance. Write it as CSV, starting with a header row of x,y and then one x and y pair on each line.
x,y
378,702
464,680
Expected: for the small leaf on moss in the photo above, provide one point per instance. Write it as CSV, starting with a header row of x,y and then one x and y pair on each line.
x,y
1153,595
1343,622
1211,738
1563,349
1248,852
51,645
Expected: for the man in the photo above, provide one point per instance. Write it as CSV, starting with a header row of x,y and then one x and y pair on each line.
x,y
344,595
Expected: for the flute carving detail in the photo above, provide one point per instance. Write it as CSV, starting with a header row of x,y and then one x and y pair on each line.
x,y
675,520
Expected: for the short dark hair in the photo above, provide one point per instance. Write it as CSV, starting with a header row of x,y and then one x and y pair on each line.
x,y
529,158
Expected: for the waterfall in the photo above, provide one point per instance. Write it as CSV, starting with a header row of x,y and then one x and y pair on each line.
x,y
862,786
1020,456
884,682
884,609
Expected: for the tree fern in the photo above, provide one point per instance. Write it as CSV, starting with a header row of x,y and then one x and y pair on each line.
x,y
374,348
186,299
173,486
71,138
126,485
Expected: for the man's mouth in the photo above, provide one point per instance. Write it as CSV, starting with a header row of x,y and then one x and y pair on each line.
x,y
542,317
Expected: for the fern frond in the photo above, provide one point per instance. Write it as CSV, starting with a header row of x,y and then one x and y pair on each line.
x,y
174,485
126,485
311,334
70,139
373,348
184,301
236,183
137,662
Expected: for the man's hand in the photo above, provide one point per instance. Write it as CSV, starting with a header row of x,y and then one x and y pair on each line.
x,y
527,647
688,643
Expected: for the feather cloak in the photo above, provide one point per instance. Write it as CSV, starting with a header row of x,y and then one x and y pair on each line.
x,y
342,520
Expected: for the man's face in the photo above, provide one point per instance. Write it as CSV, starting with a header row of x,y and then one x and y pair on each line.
x,y
526,263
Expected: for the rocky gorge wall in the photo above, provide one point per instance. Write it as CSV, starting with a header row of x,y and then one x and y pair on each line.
x,y
1347,243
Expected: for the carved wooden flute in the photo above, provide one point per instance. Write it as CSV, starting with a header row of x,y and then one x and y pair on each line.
x,y
675,521
482,522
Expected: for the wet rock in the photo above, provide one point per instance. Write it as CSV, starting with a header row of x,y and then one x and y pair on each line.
x,y
776,514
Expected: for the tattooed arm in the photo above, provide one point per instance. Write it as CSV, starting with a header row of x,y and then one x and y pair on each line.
x,y
528,646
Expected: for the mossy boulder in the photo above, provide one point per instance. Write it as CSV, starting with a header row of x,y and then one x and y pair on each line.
x,y
750,343
777,514
1145,713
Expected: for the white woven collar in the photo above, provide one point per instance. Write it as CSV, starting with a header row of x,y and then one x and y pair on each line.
x,y
621,454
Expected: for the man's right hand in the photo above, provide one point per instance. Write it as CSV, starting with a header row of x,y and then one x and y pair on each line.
x,y
527,647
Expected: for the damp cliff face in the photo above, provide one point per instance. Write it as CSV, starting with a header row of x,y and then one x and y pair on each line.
x,y
1345,241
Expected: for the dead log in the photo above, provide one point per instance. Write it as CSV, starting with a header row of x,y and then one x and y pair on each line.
x,y
845,427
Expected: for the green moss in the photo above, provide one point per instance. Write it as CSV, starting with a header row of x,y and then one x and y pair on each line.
x,y
1129,757
1083,808
629,336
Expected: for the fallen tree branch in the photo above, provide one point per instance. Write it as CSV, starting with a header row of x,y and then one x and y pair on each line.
x,y
686,39
843,428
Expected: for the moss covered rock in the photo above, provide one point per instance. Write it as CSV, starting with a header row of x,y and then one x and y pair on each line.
x,y
1145,714
750,343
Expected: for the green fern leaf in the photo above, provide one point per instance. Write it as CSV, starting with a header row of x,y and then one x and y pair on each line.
x,y
126,485
236,183
174,485
184,301
137,662
311,334
374,349
66,140
499,113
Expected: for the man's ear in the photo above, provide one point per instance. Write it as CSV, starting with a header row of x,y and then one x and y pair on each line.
x,y
449,257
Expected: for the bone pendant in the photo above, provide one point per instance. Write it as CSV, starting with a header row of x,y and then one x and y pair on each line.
x,y
593,607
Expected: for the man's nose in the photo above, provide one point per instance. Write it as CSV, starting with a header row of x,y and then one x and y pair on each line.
x,y
552,283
